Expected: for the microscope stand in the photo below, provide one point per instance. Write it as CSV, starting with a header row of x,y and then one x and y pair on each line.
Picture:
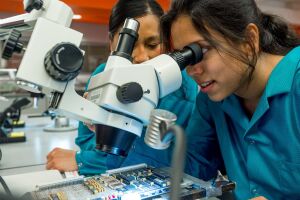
x,y
11,137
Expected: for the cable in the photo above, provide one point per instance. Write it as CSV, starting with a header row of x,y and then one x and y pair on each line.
x,y
5,187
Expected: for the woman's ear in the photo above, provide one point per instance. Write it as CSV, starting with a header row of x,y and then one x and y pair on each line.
x,y
252,36
110,46
113,42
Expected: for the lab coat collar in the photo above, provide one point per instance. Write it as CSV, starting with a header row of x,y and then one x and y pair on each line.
x,y
280,81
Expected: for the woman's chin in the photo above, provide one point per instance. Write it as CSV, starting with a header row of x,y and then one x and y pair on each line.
x,y
216,97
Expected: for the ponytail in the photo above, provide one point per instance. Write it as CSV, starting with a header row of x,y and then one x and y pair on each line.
x,y
276,37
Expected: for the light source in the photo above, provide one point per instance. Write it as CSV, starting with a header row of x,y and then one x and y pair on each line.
x,y
159,134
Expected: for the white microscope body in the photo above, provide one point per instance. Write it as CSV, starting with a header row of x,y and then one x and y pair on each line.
x,y
50,27
48,62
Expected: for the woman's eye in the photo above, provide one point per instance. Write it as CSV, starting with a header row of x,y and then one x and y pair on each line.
x,y
152,46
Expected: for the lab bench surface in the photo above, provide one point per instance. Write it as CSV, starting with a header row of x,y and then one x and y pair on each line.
x,y
31,155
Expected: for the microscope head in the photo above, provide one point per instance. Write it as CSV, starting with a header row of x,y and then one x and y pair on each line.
x,y
49,57
133,90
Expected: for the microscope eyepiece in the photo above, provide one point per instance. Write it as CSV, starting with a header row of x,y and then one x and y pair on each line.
x,y
127,39
189,55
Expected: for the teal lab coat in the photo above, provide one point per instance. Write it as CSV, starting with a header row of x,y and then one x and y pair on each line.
x,y
262,155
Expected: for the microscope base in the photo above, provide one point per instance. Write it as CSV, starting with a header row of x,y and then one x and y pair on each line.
x,y
11,137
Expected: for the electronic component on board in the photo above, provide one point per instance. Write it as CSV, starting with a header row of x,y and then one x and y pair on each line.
x,y
134,182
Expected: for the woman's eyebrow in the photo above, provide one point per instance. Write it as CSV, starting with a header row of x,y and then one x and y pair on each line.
x,y
201,42
152,39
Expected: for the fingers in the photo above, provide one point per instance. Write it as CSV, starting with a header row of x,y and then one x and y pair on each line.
x,y
50,160
91,127
50,154
53,152
53,165
259,198
85,95
62,163
53,155
49,165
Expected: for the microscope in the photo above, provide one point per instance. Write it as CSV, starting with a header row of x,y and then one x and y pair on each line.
x,y
8,118
120,99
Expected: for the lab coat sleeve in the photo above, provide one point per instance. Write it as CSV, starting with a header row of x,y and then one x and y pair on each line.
x,y
203,153
91,162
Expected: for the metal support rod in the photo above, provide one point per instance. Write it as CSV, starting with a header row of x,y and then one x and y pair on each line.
x,y
178,160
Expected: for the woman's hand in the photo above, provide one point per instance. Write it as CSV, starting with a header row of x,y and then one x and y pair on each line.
x,y
259,198
62,160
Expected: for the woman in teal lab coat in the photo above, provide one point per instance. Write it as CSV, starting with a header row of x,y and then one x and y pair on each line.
x,y
249,103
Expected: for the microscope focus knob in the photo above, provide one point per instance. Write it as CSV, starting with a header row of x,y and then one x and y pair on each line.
x,y
33,4
130,93
64,61
12,44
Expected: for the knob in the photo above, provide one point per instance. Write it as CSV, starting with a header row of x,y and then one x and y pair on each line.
x,y
33,4
130,92
12,44
64,61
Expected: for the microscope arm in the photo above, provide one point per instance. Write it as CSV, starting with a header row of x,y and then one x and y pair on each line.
x,y
72,105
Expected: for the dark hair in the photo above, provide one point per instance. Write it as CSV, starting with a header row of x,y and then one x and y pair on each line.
x,y
230,19
131,9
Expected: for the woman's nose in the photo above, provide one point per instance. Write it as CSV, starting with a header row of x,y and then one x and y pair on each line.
x,y
194,69
139,55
